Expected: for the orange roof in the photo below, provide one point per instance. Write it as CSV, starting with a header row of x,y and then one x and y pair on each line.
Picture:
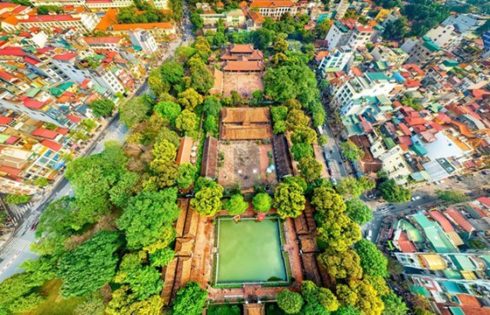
x,y
468,300
243,66
446,225
242,49
256,17
458,218
107,20
405,244
271,4
184,152
144,26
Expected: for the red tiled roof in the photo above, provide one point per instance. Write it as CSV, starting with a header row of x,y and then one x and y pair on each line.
x,y
356,71
144,26
45,133
415,121
49,18
485,201
65,57
73,118
406,131
5,120
51,144
12,51
62,131
443,222
411,83
32,103
11,171
11,140
243,66
405,244
480,93
468,300
242,49
30,60
6,76
458,218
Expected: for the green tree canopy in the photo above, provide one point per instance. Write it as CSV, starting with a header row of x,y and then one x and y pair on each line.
x,y
190,300
148,218
328,203
168,110
102,107
187,122
358,211
373,261
301,150
290,302
351,151
236,205
351,187
190,99
392,192
319,301
262,202
89,266
341,265
339,234
187,173
289,199
394,305
310,168
134,111
207,200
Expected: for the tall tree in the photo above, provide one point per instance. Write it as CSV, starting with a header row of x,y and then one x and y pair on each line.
x,y
190,300
290,302
89,266
289,200
102,107
207,200
373,262
236,205
148,218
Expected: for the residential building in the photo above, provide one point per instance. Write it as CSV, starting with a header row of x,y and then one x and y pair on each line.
x,y
341,9
231,19
465,23
335,61
83,22
274,8
444,36
350,33
393,57
144,40
424,51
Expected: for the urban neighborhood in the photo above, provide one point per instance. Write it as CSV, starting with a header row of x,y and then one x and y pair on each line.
x,y
254,157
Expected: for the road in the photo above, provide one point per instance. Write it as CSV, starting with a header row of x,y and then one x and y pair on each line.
x,y
18,248
331,152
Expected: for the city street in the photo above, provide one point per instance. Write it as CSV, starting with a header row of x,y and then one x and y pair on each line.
x,y
331,152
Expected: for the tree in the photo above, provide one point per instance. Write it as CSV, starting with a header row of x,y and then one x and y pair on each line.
x,y
358,211
347,310
211,106
202,78
351,151
397,29
102,107
41,182
144,281
94,304
289,200
197,21
236,205
187,173
172,72
211,125
262,202
339,234
290,302
328,203
392,192
168,110
279,113
394,305
451,196
310,168
124,302
373,262
207,200
301,150
156,83
319,301
148,218
341,265
17,199
162,257
303,135
190,99
89,266
190,300
261,38
134,111
297,119
187,122
351,187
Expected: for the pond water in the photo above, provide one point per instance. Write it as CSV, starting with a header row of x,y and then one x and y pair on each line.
x,y
249,251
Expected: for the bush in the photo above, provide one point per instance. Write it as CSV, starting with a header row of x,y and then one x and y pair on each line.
x,y
17,199
289,301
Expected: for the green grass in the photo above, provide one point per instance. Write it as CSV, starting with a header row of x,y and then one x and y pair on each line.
x,y
55,304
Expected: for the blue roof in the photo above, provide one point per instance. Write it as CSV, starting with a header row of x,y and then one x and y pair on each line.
x,y
398,77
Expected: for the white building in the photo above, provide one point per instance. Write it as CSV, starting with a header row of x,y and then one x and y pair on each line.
x,y
360,36
445,36
84,22
393,161
423,51
352,35
464,23
274,8
348,97
336,61
144,40
394,57
234,18
341,9
337,35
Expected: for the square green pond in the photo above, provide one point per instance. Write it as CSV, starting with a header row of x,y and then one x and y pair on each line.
x,y
249,252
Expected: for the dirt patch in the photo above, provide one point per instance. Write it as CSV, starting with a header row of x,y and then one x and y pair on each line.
x,y
244,83
244,163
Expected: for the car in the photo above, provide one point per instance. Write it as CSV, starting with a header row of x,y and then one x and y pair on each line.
x,y
414,198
